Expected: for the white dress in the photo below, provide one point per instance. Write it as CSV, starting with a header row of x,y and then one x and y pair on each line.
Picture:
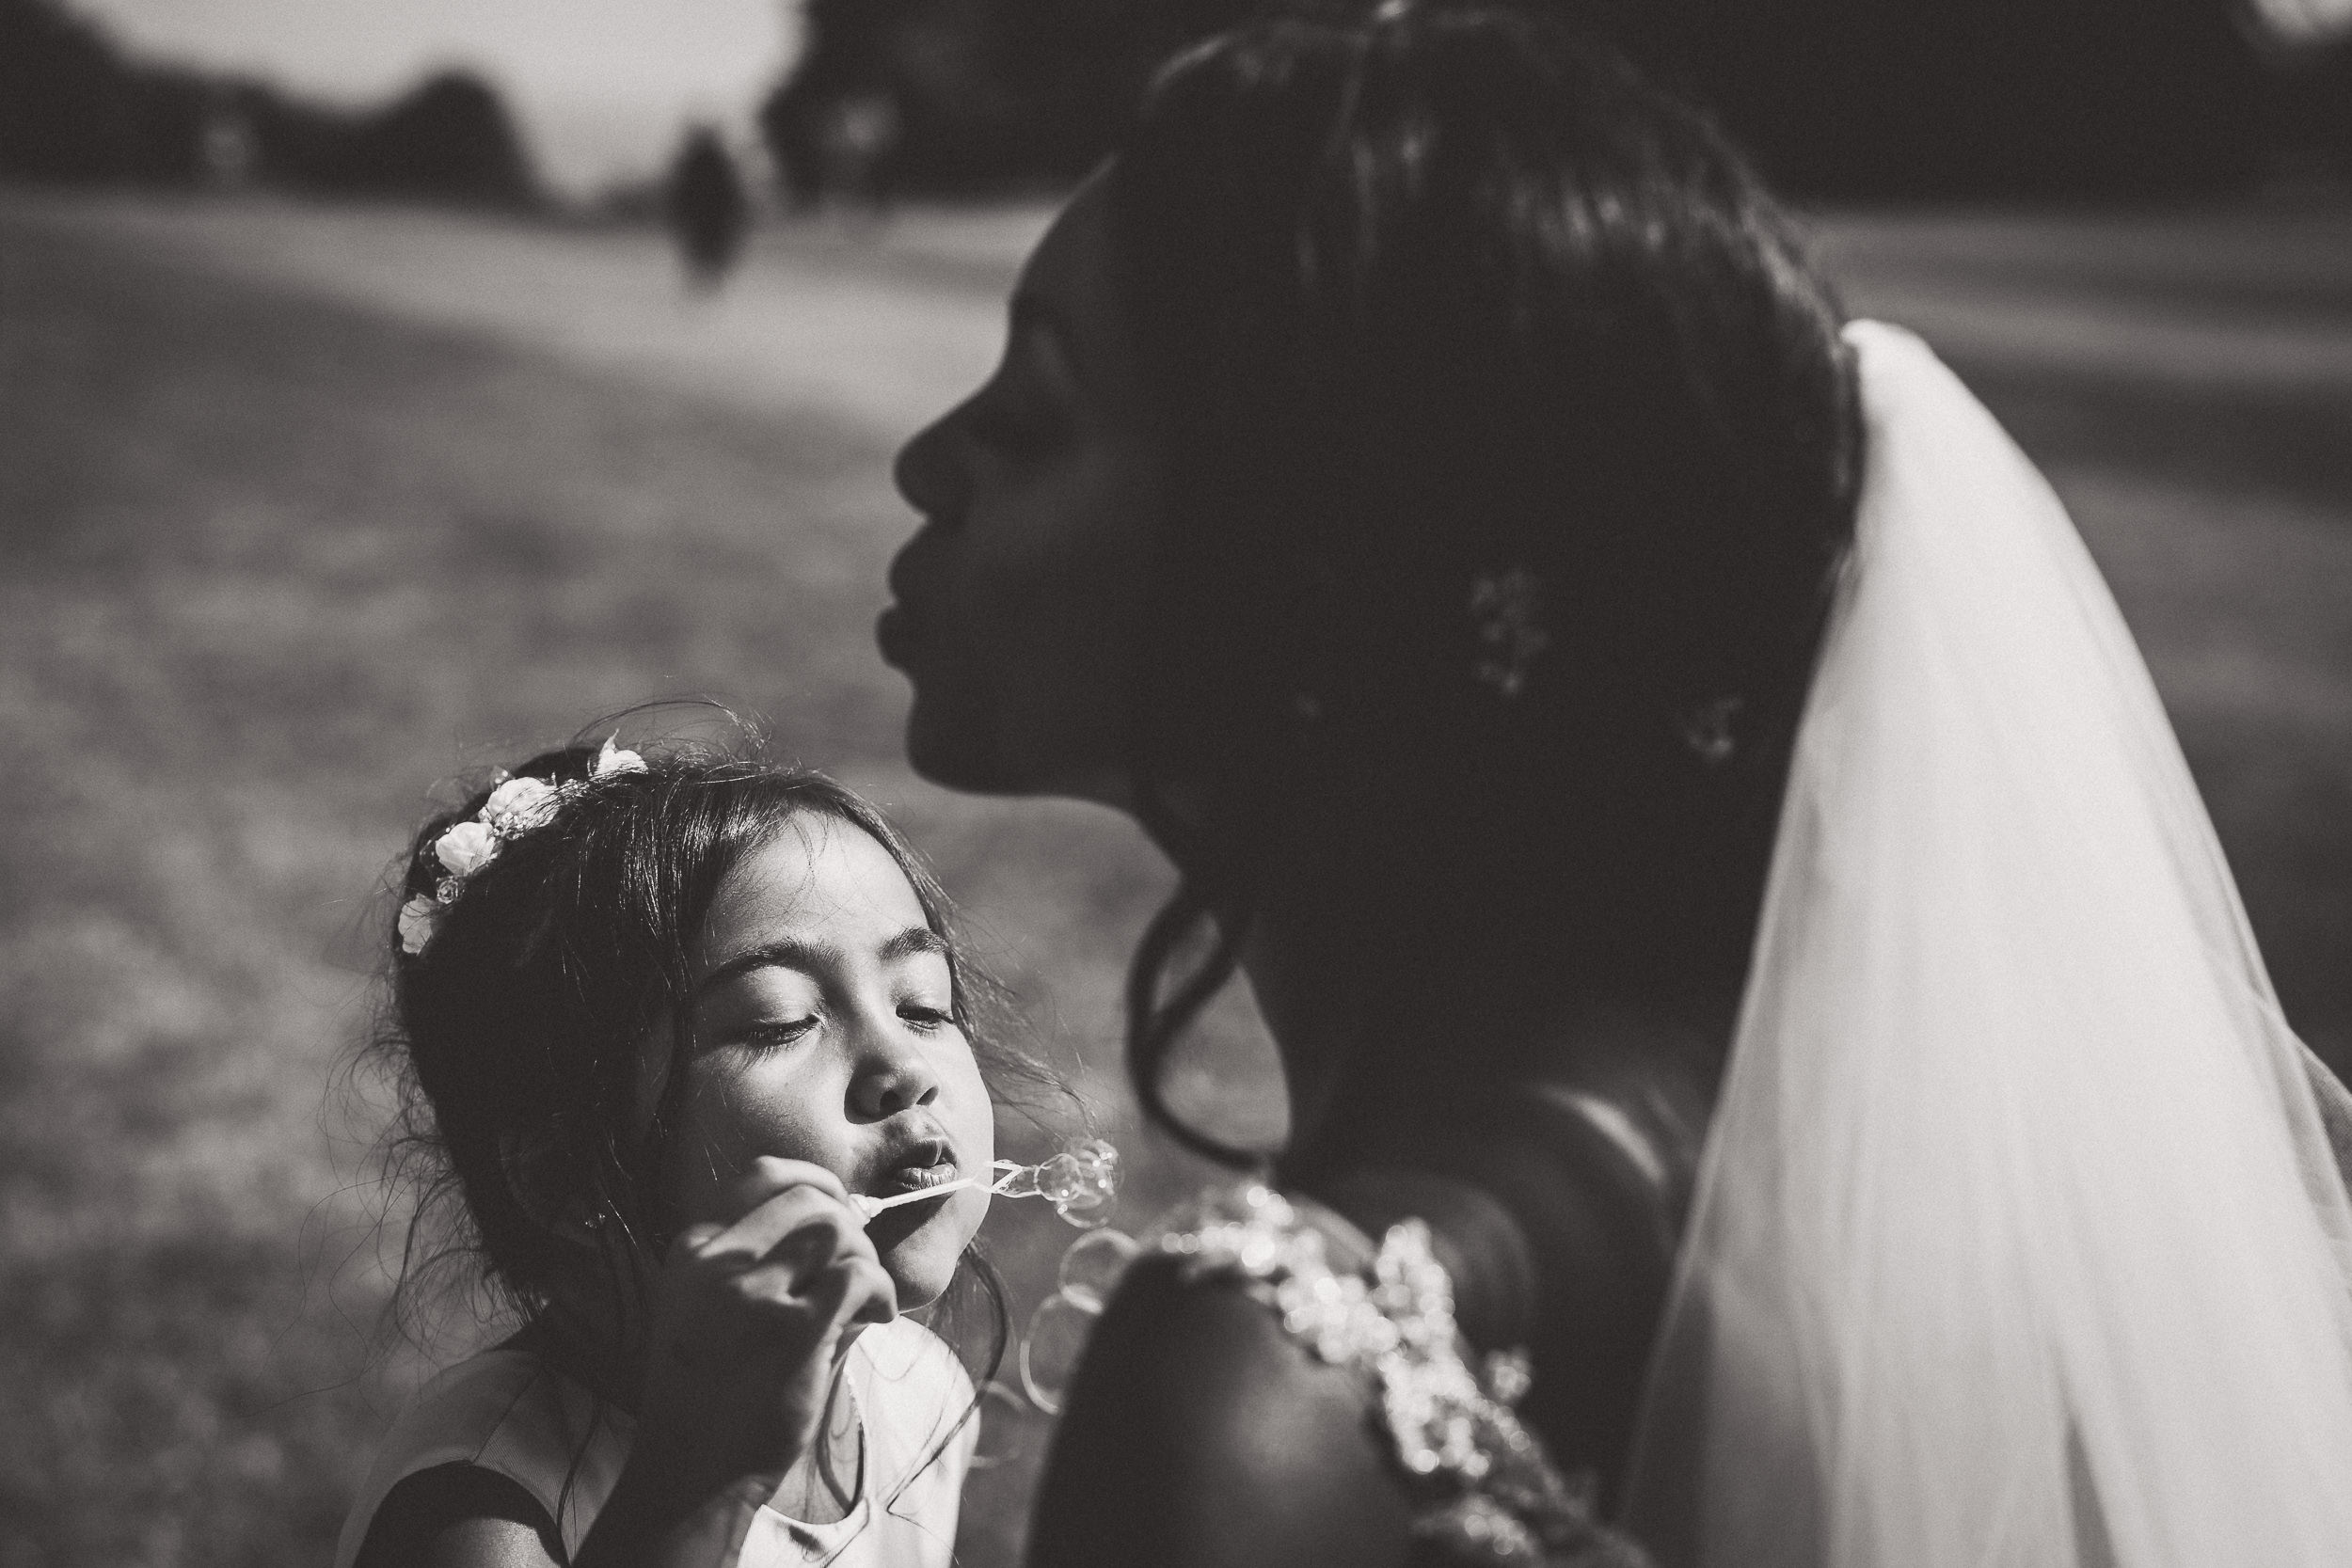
x,y
508,1411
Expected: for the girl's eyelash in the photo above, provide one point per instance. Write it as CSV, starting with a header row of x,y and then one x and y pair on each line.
x,y
769,1036
927,1018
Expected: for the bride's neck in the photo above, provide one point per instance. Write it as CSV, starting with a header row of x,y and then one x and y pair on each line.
x,y
1366,1014
1544,1130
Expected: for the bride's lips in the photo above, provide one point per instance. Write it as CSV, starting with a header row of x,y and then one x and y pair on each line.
x,y
894,633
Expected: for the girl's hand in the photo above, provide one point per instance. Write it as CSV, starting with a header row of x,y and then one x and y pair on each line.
x,y
749,1321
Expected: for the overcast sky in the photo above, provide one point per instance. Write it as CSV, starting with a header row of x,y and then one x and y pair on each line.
x,y
602,87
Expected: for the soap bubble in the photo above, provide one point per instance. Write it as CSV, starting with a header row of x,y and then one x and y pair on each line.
x,y
1081,1182
1086,1183
1060,1179
1051,1349
1000,1407
1091,1269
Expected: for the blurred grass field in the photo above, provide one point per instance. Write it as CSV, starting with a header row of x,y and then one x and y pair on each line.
x,y
305,512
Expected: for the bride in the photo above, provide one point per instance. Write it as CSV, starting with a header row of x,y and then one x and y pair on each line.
x,y
1733,913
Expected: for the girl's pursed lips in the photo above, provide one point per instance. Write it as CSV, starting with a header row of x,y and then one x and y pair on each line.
x,y
913,1164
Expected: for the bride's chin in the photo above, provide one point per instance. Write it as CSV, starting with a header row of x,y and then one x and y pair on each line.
x,y
973,759
944,754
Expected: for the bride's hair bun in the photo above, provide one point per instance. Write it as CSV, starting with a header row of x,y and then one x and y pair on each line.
x,y
1514,446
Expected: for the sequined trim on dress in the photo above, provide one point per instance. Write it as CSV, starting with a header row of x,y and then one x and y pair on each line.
x,y
1487,1493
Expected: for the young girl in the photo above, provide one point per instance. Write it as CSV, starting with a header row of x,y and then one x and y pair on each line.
x,y
667,1027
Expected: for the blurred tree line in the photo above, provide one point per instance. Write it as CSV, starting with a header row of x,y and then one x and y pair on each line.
x,y
73,108
1835,98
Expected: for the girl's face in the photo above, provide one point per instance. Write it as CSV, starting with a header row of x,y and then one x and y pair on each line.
x,y
1018,599
820,1030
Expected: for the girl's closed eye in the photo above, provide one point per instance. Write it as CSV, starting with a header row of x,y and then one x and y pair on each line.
x,y
770,1033
763,1009
926,1015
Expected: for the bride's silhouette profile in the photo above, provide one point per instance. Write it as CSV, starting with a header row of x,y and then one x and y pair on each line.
x,y
1699,832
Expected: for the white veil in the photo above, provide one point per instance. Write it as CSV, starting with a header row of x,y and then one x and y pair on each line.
x,y
2019,1237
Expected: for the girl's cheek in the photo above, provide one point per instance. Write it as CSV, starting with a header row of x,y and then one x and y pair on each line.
x,y
732,1115
977,1111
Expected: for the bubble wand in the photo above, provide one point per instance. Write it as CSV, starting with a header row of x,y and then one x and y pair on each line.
x,y
1080,1182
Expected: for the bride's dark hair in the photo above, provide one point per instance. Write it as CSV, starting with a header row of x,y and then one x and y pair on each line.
x,y
1515,448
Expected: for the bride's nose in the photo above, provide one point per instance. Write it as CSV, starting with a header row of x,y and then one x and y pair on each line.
x,y
927,471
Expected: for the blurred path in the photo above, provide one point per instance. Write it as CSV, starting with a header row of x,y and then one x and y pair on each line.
x,y
871,323
870,319
2199,300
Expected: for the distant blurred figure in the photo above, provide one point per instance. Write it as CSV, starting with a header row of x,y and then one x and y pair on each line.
x,y
704,205
857,137
229,150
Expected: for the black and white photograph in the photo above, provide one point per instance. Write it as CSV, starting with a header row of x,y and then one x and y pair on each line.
x,y
1176,783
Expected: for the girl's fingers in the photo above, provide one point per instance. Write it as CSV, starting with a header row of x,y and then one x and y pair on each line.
x,y
772,1174
805,1224
818,1245
695,1237
801,1244
871,1297
855,1289
752,1231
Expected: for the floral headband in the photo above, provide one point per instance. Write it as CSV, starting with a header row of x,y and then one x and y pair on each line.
x,y
514,807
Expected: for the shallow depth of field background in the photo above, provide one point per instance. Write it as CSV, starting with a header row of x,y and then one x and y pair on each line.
x,y
307,510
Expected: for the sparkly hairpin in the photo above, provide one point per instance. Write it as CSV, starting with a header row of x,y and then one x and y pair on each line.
x,y
1080,1182
1506,612
514,807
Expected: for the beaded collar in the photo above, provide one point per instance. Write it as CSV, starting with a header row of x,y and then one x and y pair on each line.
x,y
1486,1490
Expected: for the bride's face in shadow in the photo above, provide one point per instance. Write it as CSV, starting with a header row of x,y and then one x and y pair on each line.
x,y
1017,600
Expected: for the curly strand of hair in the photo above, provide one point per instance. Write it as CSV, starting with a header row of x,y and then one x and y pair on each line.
x,y
1155,1025
982,1276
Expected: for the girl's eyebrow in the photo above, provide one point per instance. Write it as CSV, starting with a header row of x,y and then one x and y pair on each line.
x,y
768,955
787,954
913,939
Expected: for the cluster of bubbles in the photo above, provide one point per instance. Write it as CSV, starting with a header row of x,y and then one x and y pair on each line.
x,y
1056,1335
1081,1182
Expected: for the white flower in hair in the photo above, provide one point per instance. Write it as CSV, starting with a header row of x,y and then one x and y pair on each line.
x,y
519,806
467,848
514,808
418,918
614,760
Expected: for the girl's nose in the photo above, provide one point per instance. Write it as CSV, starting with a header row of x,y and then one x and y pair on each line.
x,y
893,1075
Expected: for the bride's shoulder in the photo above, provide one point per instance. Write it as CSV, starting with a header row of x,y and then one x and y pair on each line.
x,y
1200,1431
1271,1386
